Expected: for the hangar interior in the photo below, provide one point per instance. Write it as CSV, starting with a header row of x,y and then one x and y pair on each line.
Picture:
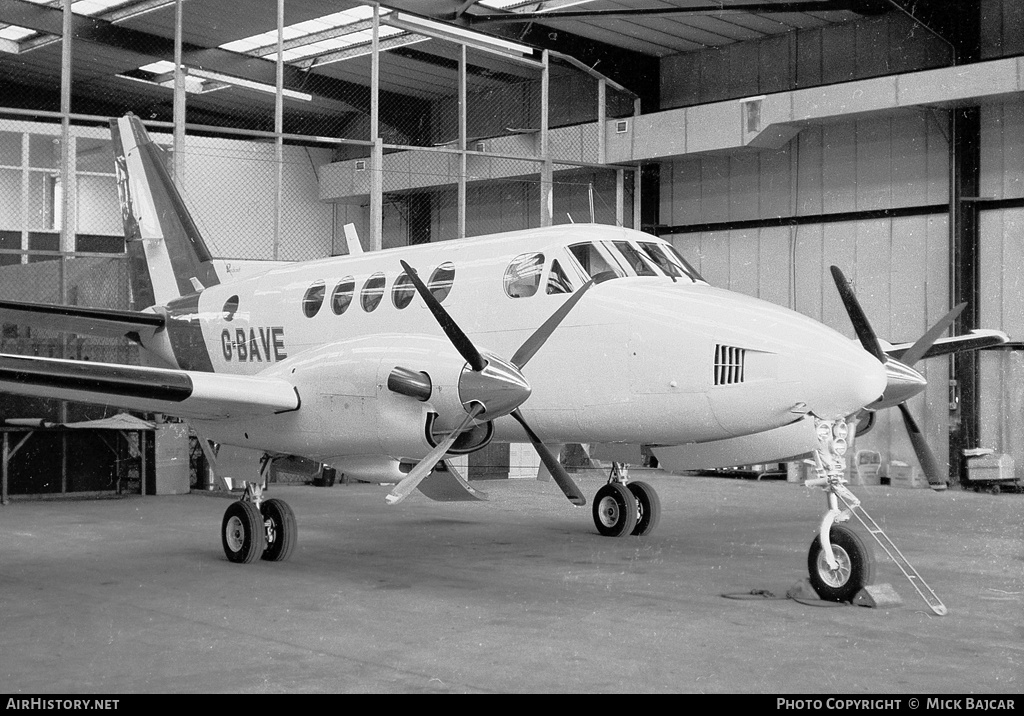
x,y
766,142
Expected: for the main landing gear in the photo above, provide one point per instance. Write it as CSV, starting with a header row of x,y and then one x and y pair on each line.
x,y
253,528
626,508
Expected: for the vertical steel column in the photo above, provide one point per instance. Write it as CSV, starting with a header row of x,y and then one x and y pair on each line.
x,y
26,188
620,196
67,174
463,132
961,23
965,278
547,204
3,469
67,229
377,159
278,129
179,97
638,185
602,118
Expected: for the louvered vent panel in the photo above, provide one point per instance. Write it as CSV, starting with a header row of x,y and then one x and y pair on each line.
x,y
729,362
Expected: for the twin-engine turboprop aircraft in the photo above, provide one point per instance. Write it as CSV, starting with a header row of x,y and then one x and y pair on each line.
x,y
383,364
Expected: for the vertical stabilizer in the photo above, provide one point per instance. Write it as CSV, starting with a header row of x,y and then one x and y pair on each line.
x,y
167,254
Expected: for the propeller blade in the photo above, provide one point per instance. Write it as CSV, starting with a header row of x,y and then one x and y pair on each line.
x,y
861,325
541,335
459,339
424,466
550,461
929,465
917,351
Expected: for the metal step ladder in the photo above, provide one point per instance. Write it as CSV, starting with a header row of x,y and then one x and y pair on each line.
x,y
915,579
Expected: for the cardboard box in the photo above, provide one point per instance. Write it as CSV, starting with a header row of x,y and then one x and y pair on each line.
x,y
990,468
903,475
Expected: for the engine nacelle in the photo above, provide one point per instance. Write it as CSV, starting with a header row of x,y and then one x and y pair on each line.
x,y
348,409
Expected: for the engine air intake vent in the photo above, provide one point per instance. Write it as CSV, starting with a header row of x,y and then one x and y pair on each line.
x,y
729,365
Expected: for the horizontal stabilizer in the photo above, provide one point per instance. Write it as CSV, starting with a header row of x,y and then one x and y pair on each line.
x,y
182,393
83,321
975,340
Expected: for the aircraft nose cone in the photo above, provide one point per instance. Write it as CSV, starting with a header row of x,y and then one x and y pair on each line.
x,y
843,378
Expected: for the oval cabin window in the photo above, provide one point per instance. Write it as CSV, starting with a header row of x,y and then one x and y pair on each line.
x,y
341,299
441,281
373,291
402,293
313,299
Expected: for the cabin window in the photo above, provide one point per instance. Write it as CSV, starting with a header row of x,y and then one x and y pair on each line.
x,y
522,277
402,292
230,307
313,299
558,282
441,280
640,264
373,292
596,265
341,299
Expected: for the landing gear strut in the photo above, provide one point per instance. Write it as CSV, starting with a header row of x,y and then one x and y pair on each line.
x,y
839,562
255,528
625,508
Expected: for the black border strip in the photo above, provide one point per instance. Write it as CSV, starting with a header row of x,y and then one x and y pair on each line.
x,y
128,381
152,320
833,218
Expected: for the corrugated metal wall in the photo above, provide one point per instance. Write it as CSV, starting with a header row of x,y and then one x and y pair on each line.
x,y
899,263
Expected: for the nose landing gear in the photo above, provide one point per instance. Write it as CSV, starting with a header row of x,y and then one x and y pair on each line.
x,y
623,508
839,562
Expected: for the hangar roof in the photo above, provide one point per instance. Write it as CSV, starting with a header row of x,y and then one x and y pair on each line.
x,y
123,49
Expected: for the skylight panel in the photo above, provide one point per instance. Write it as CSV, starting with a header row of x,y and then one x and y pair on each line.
x,y
334,22
15,33
96,7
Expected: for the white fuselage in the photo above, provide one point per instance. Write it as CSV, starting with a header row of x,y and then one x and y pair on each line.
x,y
640,359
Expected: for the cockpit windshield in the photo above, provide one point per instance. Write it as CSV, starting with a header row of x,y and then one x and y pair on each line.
x,y
596,264
669,261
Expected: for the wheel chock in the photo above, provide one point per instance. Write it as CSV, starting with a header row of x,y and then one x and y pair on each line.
x,y
802,590
877,595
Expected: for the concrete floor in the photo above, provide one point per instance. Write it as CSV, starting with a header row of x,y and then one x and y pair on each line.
x,y
519,594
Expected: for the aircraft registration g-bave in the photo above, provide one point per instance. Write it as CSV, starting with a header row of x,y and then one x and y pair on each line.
x,y
565,334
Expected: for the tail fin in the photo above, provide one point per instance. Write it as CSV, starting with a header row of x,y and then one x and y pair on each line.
x,y
167,254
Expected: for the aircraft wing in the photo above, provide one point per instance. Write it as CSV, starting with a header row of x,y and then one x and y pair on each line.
x,y
975,340
182,393
84,321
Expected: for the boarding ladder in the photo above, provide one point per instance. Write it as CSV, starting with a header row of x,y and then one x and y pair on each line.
x,y
854,508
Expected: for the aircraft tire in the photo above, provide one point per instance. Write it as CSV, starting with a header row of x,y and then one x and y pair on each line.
x,y
856,566
284,530
615,510
242,532
649,508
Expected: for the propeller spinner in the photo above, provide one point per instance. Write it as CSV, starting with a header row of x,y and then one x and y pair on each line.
x,y
903,381
490,387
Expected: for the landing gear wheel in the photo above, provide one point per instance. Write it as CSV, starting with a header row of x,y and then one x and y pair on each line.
x,y
648,508
282,532
856,566
615,510
242,532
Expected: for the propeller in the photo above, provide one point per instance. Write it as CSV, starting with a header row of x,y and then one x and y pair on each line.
x,y
490,388
903,381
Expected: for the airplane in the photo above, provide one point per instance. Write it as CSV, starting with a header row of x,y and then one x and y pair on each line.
x,y
385,364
